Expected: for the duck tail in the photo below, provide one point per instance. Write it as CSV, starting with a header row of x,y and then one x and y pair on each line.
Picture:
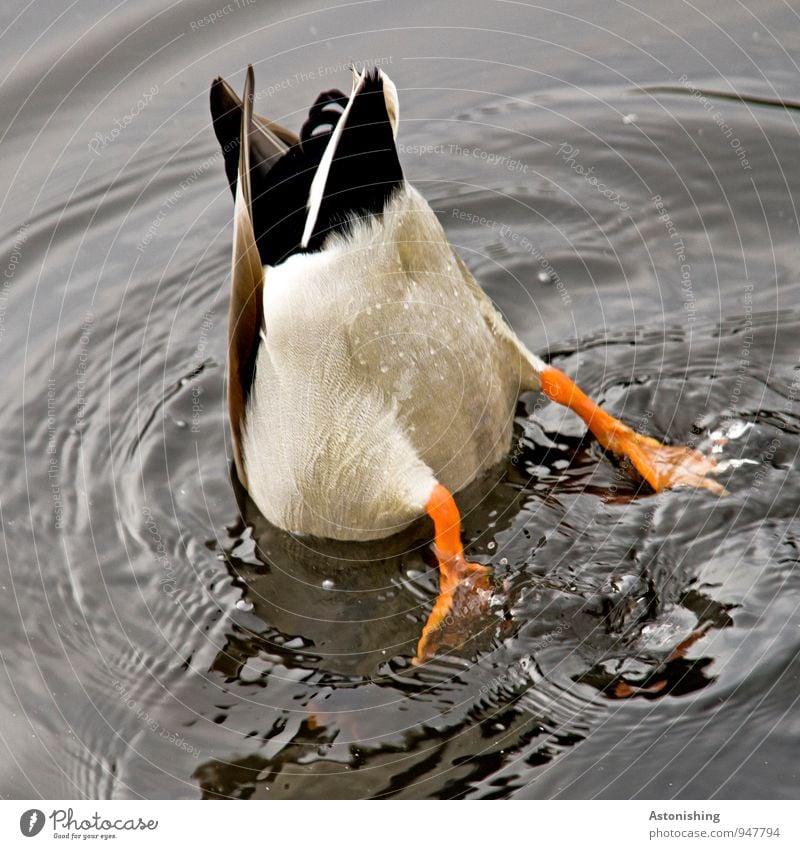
x,y
343,166
360,167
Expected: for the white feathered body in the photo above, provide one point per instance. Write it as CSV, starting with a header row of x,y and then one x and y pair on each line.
x,y
383,368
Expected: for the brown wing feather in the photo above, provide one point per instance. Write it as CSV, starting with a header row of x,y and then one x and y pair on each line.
x,y
231,102
269,141
245,314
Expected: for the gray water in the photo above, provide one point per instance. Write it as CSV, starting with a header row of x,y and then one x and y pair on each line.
x,y
634,222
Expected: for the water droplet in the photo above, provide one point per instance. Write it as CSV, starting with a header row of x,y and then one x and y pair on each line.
x,y
504,561
384,368
544,277
328,584
736,429
629,118
492,545
244,605
180,423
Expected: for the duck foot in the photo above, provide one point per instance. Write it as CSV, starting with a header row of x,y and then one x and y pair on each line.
x,y
464,587
662,466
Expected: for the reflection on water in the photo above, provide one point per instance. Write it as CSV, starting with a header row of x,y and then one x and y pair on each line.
x,y
160,639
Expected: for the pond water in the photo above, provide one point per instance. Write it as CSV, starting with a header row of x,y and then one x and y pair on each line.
x,y
622,182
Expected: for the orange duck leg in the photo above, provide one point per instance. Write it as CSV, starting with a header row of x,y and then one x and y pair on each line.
x,y
458,578
662,466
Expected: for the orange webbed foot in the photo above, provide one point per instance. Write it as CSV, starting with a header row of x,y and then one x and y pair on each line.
x,y
662,466
464,587
668,466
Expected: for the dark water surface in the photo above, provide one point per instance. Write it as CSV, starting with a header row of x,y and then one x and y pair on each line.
x,y
159,640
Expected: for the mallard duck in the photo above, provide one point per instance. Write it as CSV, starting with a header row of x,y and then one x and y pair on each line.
x,y
369,376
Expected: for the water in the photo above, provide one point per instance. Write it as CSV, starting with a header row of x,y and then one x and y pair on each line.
x,y
159,640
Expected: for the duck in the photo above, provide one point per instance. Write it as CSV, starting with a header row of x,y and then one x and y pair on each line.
x,y
369,377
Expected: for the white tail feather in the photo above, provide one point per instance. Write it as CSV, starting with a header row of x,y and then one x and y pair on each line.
x,y
317,191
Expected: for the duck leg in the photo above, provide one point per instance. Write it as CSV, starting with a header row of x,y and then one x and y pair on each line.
x,y
458,578
662,466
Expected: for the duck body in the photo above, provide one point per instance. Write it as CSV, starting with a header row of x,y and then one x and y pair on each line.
x,y
365,393
369,376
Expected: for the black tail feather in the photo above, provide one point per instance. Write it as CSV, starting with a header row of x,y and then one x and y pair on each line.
x,y
364,172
